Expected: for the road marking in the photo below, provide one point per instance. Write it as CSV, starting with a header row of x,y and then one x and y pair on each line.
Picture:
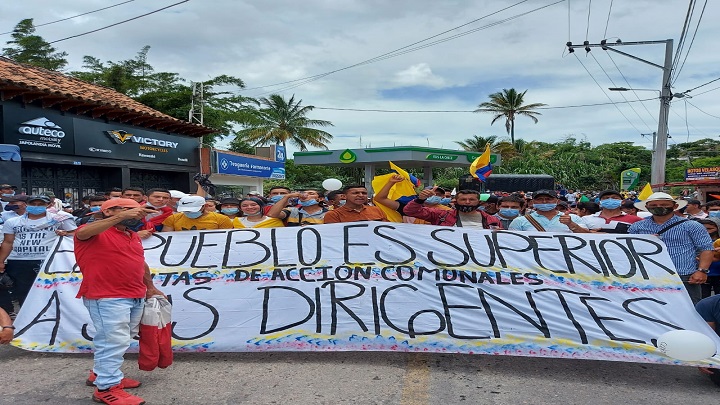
x,y
416,382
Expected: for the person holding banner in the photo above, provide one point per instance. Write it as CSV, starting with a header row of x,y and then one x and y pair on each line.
x,y
116,281
310,212
688,243
466,213
546,217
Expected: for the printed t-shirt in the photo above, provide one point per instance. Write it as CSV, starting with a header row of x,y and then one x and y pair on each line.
x,y
298,217
210,220
346,214
242,222
617,224
34,238
112,264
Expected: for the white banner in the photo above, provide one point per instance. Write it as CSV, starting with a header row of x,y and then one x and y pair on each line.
x,y
392,287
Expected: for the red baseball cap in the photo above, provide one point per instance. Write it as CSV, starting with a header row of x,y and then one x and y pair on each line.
x,y
119,202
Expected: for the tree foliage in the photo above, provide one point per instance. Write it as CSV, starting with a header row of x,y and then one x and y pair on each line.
x,y
26,47
508,104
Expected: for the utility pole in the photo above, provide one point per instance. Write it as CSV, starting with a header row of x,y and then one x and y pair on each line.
x,y
659,153
196,114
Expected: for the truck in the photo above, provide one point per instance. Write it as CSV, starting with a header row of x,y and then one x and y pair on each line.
x,y
508,182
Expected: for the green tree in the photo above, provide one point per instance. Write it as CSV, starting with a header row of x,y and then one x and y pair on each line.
x,y
478,143
237,145
508,104
280,121
26,47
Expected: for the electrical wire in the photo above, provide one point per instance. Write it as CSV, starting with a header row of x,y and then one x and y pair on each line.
x,y
587,30
681,41
653,117
472,111
691,125
677,72
387,54
687,127
408,50
699,109
607,22
118,23
621,95
704,84
606,95
74,16
706,91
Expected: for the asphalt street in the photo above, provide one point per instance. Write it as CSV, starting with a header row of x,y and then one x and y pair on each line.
x,y
360,378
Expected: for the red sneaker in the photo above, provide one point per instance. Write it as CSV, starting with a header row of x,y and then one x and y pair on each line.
x,y
124,383
116,396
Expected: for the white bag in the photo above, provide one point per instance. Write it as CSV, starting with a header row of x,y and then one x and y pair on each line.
x,y
157,312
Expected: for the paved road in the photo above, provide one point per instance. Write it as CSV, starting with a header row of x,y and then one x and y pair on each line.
x,y
360,378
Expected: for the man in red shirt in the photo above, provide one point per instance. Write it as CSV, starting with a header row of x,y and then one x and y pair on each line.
x,y
115,282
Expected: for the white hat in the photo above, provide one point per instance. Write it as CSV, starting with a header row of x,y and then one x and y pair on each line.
x,y
190,203
177,194
659,196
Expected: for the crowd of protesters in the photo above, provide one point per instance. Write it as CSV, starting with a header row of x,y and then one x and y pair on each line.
x,y
688,227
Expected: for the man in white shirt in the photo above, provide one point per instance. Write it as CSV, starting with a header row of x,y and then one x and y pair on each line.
x,y
694,210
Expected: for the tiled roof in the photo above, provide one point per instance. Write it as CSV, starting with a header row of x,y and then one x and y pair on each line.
x,y
55,90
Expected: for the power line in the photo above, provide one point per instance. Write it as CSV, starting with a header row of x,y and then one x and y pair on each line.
x,y
692,126
121,22
587,30
704,112
653,117
75,16
605,93
408,48
702,12
681,41
706,91
704,84
608,20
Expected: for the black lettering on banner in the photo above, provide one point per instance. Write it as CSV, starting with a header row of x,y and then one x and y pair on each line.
x,y
566,308
632,268
410,270
252,241
213,311
534,280
411,323
56,250
599,320
540,324
442,287
275,252
340,276
255,275
277,275
537,249
301,249
383,273
184,277
471,251
166,248
497,235
365,273
325,276
347,244
485,277
202,244
302,275
288,274
376,310
598,257
336,301
84,332
199,279
640,256
423,270
160,241
383,313
266,313
626,306
569,256
242,275
167,277
468,275
431,255
411,257
318,311
54,299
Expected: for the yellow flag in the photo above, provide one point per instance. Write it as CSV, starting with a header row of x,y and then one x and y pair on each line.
x,y
377,183
645,193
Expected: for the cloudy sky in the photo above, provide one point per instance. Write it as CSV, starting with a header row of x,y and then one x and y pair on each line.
x,y
266,42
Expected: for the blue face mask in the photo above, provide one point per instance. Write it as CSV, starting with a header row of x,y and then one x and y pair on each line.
x,y
445,201
509,212
230,211
193,215
35,210
276,198
95,208
309,202
714,214
8,195
433,199
610,203
545,207
342,202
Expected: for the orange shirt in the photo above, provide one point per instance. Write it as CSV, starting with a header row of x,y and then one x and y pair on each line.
x,y
346,214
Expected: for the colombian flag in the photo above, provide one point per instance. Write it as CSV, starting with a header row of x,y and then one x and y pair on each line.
x,y
414,180
401,192
481,168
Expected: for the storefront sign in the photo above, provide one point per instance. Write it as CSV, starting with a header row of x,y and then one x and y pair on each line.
x,y
116,141
246,166
35,129
702,173
494,158
437,156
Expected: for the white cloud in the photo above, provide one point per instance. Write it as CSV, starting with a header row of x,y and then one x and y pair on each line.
x,y
418,75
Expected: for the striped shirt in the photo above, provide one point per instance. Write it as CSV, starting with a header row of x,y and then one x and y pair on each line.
x,y
684,242
299,217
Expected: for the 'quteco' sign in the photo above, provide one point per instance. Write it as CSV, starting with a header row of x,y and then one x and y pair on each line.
x,y
34,129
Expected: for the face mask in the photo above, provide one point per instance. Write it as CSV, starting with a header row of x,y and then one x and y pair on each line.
x,y
276,198
309,202
342,202
131,223
509,212
610,203
17,207
466,208
445,201
8,195
230,211
545,207
193,215
657,211
35,210
95,208
433,199
714,214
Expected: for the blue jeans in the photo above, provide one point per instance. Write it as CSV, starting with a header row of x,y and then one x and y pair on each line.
x,y
115,319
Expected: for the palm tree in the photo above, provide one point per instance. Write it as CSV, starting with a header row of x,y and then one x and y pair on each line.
x,y
477,143
508,104
280,121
